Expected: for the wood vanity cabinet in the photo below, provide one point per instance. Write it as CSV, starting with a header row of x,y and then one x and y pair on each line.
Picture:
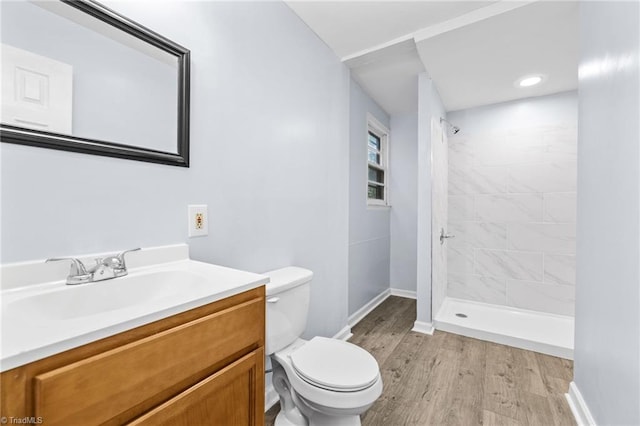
x,y
201,367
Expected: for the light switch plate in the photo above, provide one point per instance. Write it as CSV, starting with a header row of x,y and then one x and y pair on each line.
x,y
198,220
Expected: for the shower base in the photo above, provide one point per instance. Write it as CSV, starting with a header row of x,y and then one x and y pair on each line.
x,y
536,331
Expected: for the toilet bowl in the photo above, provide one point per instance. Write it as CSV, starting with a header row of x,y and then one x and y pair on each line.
x,y
321,381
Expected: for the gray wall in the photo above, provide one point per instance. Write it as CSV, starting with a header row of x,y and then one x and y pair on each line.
x,y
429,105
269,151
404,198
119,93
607,343
368,226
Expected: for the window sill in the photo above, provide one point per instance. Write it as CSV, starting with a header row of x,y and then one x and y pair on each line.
x,y
378,207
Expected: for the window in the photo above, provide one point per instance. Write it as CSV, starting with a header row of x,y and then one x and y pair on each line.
x,y
377,163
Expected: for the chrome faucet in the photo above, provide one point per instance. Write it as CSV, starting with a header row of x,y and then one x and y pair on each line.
x,y
104,269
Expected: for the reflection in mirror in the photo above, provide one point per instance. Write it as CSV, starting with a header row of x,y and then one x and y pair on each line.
x,y
97,83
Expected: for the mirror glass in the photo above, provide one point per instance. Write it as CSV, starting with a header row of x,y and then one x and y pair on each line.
x,y
80,74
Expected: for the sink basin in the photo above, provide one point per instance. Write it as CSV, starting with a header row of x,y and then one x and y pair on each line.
x,y
41,316
84,300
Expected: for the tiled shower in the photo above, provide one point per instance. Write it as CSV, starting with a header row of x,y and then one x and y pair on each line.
x,y
512,208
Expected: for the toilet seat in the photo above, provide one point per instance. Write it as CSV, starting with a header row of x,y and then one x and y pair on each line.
x,y
335,365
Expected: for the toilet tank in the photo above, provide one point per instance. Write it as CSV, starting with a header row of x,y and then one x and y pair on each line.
x,y
288,295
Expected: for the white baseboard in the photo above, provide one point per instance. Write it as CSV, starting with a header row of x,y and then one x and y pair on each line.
x,y
357,316
579,407
423,327
407,294
344,334
270,398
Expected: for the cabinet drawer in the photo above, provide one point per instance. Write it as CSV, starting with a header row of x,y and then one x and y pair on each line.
x,y
116,386
227,397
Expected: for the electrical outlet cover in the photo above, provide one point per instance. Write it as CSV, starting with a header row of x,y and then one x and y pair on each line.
x,y
198,220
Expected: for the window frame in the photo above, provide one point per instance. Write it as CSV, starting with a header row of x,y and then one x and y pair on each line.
x,y
382,133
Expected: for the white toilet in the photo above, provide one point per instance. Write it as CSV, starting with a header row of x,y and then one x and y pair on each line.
x,y
321,381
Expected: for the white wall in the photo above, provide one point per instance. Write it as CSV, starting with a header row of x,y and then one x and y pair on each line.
x,y
607,342
429,106
269,155
404,199
439,209
368,226
512,203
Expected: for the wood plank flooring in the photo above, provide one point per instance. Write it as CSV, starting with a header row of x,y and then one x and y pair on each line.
x,y
446,379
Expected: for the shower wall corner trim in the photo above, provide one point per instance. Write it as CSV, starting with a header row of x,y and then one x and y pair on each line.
x,y
579,407
423,327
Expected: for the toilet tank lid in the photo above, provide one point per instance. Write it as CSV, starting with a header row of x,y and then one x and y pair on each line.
x,y
286,278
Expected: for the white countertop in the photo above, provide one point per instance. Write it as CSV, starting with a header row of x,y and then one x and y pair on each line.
x,y
38,332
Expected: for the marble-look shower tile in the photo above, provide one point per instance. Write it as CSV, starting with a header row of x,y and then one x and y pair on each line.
x,y
491,149
478,288
478,234
460,207
542,146
458,182
562,140
560,207
478,180
526,146
545,237
548,177
487,179
536,296
508,264
508,208
459,260
560,269
460,153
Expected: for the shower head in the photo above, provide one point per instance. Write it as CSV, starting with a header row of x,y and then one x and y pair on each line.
x,y
454,129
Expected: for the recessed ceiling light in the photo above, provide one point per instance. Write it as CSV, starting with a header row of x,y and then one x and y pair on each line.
x,y
529,81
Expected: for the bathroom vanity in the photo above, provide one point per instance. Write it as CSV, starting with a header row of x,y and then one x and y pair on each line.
x,y
202,365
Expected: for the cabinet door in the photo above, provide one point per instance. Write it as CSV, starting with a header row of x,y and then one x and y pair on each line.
x,y
111,386
232,396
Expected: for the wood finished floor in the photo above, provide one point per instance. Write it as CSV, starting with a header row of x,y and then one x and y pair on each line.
x,y
446,379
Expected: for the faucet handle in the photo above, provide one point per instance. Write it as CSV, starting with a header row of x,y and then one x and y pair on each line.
x,y
120,257
78,273
118,262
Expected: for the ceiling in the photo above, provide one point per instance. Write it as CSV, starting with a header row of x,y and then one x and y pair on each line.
x,y
473,50
350,27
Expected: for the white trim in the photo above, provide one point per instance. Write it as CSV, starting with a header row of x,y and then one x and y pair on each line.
x,y
374,123
383,133
472,17
423,327
377,47
357,316
407,294
344,334
579,407
443,27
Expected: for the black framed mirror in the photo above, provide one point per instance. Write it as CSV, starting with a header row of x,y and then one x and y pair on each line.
x,y
80,77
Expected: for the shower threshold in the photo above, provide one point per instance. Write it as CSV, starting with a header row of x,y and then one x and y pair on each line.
x,y
536,331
